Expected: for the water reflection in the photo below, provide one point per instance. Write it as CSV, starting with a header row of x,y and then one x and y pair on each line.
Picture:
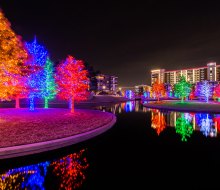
x,y
28,177
186,123
183,122
68,173
70,170
158,121
206,124
184,127
129,106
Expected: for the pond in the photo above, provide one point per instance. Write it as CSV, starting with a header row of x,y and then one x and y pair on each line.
x,y
146,148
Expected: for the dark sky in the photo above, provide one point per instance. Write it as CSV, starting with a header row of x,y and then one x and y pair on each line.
x,y
126,39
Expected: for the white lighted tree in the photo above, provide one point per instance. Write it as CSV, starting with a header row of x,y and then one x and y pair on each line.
x,y
205,90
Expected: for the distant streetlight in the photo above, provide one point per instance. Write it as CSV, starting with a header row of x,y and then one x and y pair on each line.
x,y
119,88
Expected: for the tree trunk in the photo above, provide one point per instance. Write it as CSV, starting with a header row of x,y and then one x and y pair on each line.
x,y
158,99
32,104
207,99
182,99
71,104
17,102
45,102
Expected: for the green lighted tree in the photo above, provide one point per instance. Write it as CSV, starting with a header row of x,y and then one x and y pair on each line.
x,y
49,90
182,88
183,127
158,89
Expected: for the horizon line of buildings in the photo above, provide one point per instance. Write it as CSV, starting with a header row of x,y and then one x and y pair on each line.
x,y
211,72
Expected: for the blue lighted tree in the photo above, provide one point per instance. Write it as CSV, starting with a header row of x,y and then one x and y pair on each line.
x,y
49,90
37,79
205,90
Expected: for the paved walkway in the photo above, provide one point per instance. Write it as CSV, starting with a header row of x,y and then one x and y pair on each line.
x,y
23,132
189,106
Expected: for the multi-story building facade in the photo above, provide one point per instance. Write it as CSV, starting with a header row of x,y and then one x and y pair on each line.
x,y
140,89
105,83
211,72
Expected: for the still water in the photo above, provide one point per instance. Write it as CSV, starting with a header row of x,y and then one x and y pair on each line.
x,y
146,149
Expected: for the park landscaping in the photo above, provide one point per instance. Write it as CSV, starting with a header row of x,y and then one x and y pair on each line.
x,y
190,106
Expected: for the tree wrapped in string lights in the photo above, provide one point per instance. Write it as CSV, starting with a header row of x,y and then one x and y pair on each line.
x,y
182,88
73,83
49,90
158,90
217,91
37,79
13,56
205,90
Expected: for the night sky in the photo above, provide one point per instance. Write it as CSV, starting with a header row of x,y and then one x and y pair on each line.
x,y
126,39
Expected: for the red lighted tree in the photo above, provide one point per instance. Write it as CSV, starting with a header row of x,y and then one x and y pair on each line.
x,y
217,91
72,80
158,89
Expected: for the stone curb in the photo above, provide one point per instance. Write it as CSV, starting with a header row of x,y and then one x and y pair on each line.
x,y
205,110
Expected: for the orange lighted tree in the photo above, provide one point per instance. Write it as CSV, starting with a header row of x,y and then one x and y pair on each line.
x,y
12,59
72,81
158,89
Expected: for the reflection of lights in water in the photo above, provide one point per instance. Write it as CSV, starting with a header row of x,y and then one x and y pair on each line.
x,y
188,116
206,125
28,177
146,94
129,106
137,107
71,170
119,109
183,127
69,174
158,121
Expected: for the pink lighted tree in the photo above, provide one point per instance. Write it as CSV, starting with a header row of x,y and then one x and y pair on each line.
x,y
72,80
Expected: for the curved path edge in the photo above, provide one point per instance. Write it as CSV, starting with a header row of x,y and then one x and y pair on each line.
x,y
27,149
